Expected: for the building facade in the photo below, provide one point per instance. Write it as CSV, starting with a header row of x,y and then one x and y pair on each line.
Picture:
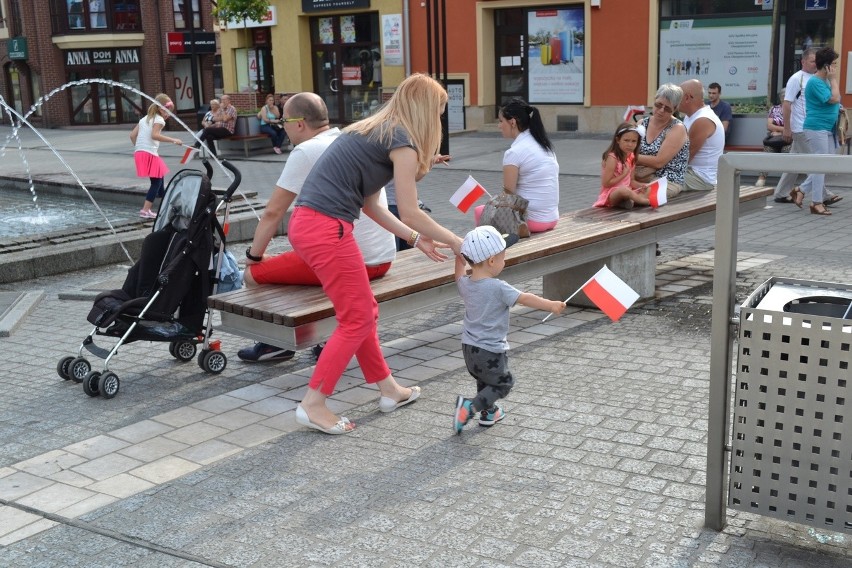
x,y
102,52
580,62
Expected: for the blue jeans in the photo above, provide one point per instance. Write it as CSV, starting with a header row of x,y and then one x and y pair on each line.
x,y
277,135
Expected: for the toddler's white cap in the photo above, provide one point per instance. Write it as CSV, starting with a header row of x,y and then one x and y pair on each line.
x,y
484,242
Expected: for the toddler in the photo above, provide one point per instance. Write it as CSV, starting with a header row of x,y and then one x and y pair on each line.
x,y
487,300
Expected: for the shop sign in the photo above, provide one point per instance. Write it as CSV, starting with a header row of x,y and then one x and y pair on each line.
x,y
78,57
321,5
270,19
17,48
190,42
816,4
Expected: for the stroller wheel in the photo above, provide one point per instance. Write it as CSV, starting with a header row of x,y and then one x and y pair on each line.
x,y
212,361
78,369
90,383
63,368
108,384
182,350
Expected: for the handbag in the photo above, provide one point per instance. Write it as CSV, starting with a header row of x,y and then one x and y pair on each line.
x,y
507,213
775,141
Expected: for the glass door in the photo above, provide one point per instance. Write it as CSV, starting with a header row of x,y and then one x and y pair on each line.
x,y
347,65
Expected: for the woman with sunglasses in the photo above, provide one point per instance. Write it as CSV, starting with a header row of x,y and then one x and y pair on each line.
x,y
664,143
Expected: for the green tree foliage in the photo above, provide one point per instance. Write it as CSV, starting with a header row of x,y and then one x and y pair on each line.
x,y
239,10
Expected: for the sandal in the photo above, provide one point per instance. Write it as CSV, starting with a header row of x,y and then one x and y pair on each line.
x,y
833,199
798,196
822,211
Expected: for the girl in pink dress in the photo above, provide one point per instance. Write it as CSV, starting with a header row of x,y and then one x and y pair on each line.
x,y
618,186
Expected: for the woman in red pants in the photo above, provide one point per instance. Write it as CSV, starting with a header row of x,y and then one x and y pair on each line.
x,y
399,142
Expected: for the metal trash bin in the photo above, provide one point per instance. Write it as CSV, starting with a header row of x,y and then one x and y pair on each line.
x,y
791,450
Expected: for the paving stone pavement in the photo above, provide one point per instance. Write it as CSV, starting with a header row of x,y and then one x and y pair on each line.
x,y
599,463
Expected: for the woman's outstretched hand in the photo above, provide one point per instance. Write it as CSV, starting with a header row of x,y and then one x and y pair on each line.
x,y
430,248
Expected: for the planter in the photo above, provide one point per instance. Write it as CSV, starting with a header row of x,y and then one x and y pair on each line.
x,y
747,130
247,126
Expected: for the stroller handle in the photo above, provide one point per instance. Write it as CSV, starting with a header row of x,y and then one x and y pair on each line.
x,y
234,184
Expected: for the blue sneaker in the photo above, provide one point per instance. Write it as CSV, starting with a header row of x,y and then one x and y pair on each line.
x,y
464,412
264,353
491,416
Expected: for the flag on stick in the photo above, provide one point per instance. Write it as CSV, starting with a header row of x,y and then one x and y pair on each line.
x,y
657,192
188,154
632,111
610,293
467,194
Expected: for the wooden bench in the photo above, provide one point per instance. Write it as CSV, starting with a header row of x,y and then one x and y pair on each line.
x,y
245,139
297,317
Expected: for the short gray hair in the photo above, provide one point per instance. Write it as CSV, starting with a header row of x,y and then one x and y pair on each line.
x,y
670,92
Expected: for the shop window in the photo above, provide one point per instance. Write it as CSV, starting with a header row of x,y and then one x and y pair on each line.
x,y
187,14
689,8
70,16
540,54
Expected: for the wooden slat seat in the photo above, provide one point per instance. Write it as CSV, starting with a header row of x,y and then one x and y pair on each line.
x,y
299,316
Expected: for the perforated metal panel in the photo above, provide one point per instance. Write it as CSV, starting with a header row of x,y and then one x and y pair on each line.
x,y
792,442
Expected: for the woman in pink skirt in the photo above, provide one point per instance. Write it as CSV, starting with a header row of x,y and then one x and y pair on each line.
x,y
146,136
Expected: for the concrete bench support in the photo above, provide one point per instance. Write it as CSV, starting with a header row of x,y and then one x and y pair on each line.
x,y
637,267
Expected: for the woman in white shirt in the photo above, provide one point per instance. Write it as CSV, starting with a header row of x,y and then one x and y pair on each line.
x,y
530,168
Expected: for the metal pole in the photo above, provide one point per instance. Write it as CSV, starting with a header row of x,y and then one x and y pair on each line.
x,y
445,116
721,343
429,36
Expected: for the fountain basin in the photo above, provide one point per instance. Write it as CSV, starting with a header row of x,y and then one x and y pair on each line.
x,y
79,244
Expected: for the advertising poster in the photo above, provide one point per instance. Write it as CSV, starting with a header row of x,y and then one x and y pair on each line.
x,y
392,39
733,52
347,29
326,31
556,55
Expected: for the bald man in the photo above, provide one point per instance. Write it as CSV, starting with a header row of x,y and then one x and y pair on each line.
x,y
706,138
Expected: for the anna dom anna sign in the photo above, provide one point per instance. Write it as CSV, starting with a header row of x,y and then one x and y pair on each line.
x,y
319,5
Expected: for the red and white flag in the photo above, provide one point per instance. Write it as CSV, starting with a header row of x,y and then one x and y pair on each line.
x,y
467,194
632,111
657,192
188,154
610,293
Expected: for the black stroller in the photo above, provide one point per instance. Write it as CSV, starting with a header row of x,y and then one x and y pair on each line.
x,y
164,297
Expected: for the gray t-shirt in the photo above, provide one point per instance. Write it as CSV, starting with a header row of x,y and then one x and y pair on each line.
x,y
486,312
352,168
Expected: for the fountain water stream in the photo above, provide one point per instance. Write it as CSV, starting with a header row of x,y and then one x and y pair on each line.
x,y
18,120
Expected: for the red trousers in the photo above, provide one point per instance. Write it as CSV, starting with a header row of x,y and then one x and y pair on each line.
x,y
329,249
289,268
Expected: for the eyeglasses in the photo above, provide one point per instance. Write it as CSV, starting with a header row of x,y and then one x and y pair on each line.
x,y
664,108
293,119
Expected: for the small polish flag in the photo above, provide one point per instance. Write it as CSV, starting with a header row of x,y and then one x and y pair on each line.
x,y
657,192
632,111
188,154
610,293
467,194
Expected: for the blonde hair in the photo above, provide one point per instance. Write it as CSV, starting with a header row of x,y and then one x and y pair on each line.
x,y
416,107
163,101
